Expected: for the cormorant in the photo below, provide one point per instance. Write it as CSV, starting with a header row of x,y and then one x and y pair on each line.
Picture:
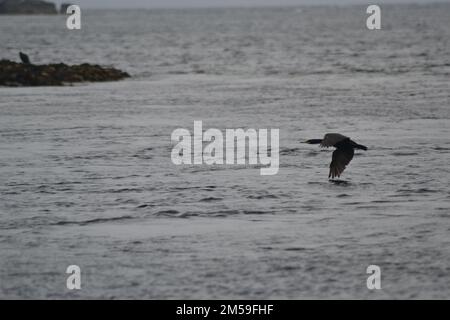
x,y
345,149
24,58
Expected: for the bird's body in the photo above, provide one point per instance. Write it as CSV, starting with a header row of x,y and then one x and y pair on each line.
x,y
24,58
345,149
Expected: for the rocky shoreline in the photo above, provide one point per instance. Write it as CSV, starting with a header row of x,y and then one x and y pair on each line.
x,y
14,74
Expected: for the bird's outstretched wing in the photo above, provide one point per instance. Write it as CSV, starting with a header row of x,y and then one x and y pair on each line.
x,y
341,158
330,139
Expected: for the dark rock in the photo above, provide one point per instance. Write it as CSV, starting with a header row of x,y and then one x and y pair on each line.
x,y
13,74
27,7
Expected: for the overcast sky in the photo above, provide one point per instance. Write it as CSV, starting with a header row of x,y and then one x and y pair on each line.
x,y
221,3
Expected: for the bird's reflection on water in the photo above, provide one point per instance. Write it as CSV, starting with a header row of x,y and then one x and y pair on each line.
x,y
340,182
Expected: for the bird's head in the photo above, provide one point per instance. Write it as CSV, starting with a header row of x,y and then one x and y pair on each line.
x,y
313,141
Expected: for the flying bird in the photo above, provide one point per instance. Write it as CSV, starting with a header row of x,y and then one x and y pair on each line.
x,y
345,149
24,58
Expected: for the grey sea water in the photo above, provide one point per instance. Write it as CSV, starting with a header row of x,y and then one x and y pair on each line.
x,y
86,176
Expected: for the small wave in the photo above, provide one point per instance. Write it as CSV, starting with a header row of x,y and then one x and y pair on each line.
x,y
170,213
318,182
384,201
256,212
308,209
178,72
145,205
367,207
142,156
444,214
209,199
441,149
343,195
289,151
295,249
208,188
400,154
217,214
92,221
65,204
126,190
223,213
263,196
311,153
420,190
204,188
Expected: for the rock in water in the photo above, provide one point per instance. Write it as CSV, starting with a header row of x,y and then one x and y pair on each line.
x,y
27,7
13,74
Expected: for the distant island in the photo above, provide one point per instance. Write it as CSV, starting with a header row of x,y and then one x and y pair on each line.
x,y
14,74
27,7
